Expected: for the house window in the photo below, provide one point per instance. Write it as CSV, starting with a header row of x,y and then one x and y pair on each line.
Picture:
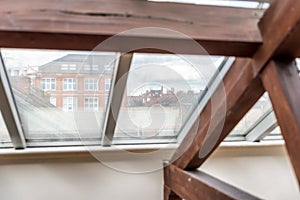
x,y
15,72
95,67
107,84
69,104
48,84
91,84
53,100
87,67
68,67
105,101
70,84
91,103
72,67
64,67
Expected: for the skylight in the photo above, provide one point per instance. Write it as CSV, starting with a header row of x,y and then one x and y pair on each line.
x,y
230,3
4,136
63,97
161,93
55,103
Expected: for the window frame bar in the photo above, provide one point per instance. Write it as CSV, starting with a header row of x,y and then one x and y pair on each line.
x,y
9,109
115,97
262,127
205,97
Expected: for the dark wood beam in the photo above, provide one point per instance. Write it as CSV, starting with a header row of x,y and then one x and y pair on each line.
x,y
169,194
194,185
281,80
284,16
242,89
280,28
82,25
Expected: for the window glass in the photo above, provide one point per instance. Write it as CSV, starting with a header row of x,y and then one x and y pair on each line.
x,y
275,134
69,104
107,84
231,3
48,84
161,93
4,136
262,106
70,84
91,84
91,104
57,94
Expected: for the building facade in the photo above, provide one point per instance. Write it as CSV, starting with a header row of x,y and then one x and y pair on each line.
x,y
77,82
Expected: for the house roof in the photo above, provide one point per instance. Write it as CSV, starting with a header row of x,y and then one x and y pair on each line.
x,y
80,64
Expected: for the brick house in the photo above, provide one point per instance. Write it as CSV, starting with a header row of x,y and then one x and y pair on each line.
x,y
77,82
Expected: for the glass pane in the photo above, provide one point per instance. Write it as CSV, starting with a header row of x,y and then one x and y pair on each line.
x,y
230,3
4,136
60,94
262,106
275,134
161,93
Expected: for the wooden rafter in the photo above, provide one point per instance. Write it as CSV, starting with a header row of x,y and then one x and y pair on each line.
x,y
242,88
281,80
169,194
190,159
78,25
199,184
282,40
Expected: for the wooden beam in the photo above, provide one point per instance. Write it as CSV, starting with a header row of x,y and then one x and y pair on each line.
x,y
81,25
283,40
284,16
281,80
169,194
242,89
194,185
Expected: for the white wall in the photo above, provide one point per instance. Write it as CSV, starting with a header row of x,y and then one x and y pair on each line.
x,y
264,171
75,181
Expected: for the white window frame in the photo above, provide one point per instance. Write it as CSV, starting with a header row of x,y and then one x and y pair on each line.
x,y
107,83
53,101
70,84
91,103
105,101
69,104
91,84
47,83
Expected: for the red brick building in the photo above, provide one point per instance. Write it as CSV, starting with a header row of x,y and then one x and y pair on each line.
x,y
77,82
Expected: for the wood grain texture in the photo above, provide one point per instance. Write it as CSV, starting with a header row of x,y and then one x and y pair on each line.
x,y
281,15
282,81
169,194
242,89
194,185
82,25
246,87
280,28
